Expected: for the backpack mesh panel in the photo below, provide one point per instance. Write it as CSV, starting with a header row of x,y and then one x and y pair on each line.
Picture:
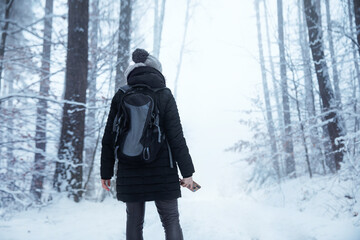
x,y
138,115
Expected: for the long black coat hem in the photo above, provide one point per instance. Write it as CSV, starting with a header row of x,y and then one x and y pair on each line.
x,y
146,197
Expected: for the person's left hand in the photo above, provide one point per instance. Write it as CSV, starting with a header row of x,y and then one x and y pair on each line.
x,y
187,182
105,183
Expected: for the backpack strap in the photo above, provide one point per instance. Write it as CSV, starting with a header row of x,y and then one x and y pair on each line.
x,y
119,113
167,142
125,88
160,89
170,154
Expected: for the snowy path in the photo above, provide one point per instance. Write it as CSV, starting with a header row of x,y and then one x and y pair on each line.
x,y
212,219
215,212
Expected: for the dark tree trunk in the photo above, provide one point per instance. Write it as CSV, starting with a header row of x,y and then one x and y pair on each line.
x,y
335,124
4,35
123,42
317,153
270,122
329,156
357,70
71,144
40,134
357,21
287,139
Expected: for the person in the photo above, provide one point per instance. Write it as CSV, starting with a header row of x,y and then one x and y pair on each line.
x,y
156,181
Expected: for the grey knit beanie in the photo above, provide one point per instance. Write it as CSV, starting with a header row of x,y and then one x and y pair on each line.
x,y
142,58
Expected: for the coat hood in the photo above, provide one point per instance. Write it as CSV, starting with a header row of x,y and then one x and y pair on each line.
x,y
146,75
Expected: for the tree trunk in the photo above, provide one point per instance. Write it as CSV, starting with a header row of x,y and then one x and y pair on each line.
x,y
357,21
274,80
357,70
303,138
335,124
40,134
313,132
288,143
4,35
356,120
329,157
123,43
332,54
356,62
187,19
158,26
71,145
270,123
91,113
10,125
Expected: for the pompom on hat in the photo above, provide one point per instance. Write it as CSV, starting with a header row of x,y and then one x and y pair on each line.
x,y
142,58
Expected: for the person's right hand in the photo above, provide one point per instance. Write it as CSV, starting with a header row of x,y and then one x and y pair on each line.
x,y
187,182
105,183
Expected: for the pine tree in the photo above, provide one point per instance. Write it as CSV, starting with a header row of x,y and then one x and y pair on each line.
x,y
334,122
40,134
124,40
90,140
71,145
287,138
357,21
270,122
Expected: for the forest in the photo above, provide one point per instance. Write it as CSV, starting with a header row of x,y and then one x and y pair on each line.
x,y
61,62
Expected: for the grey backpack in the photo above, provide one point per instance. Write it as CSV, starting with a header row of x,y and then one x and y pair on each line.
x,y
138,136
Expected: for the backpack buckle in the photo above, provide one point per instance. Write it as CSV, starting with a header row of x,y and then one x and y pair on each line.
x,y
146,154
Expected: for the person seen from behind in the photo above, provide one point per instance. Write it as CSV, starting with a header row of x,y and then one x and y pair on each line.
x,y
158,180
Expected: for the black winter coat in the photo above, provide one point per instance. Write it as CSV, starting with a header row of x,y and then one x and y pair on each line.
x,y
156,180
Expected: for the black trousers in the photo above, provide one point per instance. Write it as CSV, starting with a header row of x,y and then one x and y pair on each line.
x,y
169,216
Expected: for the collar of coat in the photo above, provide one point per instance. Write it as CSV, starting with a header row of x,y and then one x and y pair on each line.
x,y
146,75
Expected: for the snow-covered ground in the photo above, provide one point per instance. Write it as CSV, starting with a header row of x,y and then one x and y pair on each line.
x,y
298,209
322,208
228,218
